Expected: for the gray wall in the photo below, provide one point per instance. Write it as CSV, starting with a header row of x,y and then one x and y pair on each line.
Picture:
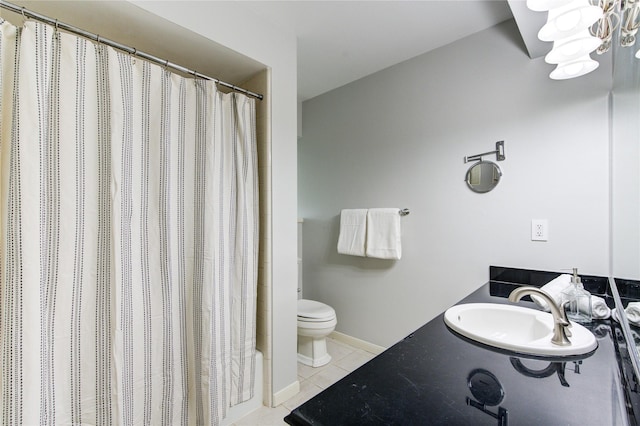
x,y
397,139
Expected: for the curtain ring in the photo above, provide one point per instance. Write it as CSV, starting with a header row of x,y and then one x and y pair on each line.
x,y
166,65
23,15
98,39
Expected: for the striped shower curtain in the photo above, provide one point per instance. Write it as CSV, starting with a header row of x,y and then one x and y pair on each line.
x,y
128,238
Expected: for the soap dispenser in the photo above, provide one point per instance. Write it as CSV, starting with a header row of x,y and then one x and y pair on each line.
x,y
578,308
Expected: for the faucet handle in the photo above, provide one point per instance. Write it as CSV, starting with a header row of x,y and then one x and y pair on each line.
x,y
566,323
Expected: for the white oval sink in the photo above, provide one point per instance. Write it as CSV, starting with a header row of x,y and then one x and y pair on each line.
x,y
516,328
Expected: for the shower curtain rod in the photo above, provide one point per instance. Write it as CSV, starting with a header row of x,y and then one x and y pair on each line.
x,y
26,13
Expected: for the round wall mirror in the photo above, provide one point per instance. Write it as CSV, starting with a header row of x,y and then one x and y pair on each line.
x,y
483,176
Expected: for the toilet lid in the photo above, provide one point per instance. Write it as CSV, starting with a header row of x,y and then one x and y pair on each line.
x,y
314,310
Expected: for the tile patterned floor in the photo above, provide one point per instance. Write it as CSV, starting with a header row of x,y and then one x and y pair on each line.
x,y
344,359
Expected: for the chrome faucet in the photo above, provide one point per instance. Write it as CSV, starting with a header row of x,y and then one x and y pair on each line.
x,y
560,321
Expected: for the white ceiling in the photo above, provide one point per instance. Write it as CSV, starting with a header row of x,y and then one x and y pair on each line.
x,y
338,41
128,24
342,41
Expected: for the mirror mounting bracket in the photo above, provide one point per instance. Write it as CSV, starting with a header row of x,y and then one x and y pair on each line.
x,y
499,152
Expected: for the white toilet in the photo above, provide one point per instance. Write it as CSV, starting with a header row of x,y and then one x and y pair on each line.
x,y
315,322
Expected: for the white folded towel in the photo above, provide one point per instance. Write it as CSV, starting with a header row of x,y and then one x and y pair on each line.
x,y
353,232
632,311
599,308
555,287
383,233
614,314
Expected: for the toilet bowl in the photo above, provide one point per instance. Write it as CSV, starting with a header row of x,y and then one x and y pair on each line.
x,y
315,322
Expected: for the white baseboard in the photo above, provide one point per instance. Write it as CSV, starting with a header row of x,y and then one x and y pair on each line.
x,y
357,343
285,394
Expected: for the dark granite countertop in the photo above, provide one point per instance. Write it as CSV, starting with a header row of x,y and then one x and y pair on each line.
x,y
436,377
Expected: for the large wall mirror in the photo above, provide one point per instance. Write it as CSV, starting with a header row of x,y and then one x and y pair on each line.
x,y
625,176
625,162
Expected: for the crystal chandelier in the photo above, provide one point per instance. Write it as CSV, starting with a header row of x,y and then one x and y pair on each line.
x,y
579,27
